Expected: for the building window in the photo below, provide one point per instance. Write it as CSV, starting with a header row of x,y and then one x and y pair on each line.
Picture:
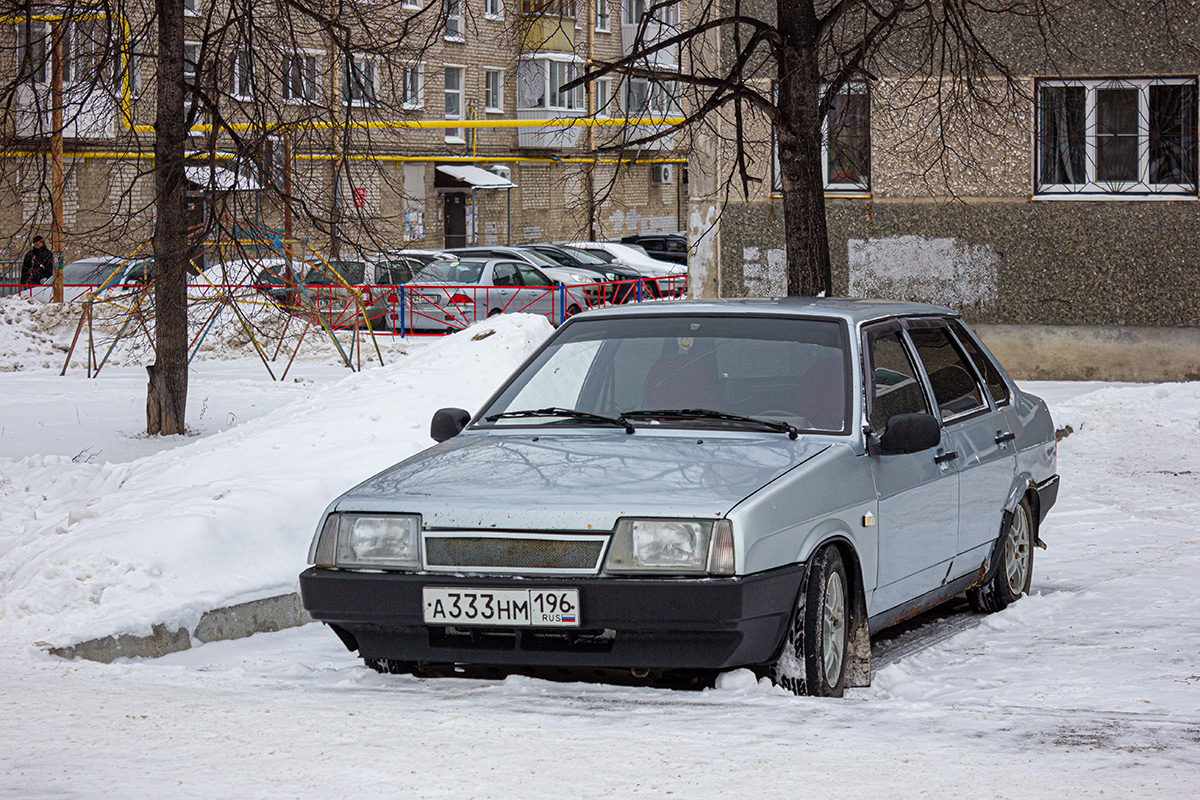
x,y
645,98
454,103
410,4
191,6
361,80
603,89
494,9
242,77
454,20
634,11
494,90
1117,137
602,18
191,59
413,76
34,65
300,78
540,81
846,141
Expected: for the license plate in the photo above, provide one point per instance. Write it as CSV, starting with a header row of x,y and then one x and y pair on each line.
x,y
538,608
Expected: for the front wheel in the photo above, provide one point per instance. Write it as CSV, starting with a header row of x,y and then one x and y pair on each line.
x,y
813,661
1015,572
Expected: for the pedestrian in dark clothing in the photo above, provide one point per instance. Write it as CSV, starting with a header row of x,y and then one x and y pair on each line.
x,y
38,264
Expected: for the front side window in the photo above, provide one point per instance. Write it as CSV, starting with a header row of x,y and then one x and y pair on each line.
x,y
951,378
360,81
991,376
1117,137
777,369
894,386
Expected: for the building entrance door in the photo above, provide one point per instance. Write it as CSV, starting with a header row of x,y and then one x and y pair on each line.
x,y
454,214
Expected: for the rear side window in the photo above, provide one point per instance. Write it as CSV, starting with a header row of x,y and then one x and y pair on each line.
x,y
894,385
987,369
950,376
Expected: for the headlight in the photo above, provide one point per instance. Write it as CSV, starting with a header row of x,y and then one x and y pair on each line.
x,y
371,541
672,546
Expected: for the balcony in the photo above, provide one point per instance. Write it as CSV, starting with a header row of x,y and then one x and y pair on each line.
x,y
543,30
549,138
655,32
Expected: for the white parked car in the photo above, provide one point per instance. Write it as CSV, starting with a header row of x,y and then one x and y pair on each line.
x,y
633,257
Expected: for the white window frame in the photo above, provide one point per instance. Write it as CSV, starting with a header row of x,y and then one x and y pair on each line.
x,y
455,135
453,10
235,83
632,11
602,89
302,56
576,98
493,9
40,74
603,20
1092,188
660,104
498,106
348,62
416,71
853,87
410,5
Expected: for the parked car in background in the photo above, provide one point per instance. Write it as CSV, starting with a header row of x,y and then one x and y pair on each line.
x,y
625,277
634,256
95,274
697,487
663,246
577,275
449,295
422,256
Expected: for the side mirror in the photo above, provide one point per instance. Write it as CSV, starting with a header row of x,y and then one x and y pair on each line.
x,y
910,433
448,423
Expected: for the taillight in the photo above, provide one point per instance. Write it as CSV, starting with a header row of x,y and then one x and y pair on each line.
x,y
458,299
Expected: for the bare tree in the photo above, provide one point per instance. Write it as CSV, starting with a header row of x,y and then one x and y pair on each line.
x,y
242,91
790,63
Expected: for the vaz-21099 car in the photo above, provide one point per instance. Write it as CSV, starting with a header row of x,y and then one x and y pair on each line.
x,y
699,486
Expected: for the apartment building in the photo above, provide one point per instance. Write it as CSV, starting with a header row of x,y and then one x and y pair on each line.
x,y
367,143
1065,226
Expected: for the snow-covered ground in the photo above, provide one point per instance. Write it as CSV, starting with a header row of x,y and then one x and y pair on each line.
x,y
1088,688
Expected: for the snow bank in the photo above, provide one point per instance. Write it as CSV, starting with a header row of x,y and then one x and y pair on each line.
x,y
37,335
91,550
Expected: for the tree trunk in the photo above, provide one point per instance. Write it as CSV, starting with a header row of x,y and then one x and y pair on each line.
x,y
799,132
166,399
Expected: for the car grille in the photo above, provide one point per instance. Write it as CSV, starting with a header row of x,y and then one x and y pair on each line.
x,y
513,552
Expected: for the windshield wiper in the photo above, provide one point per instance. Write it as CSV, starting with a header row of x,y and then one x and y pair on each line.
x,y
705,413
569,413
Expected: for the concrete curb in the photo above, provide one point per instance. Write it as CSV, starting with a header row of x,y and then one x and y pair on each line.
x,y
220,624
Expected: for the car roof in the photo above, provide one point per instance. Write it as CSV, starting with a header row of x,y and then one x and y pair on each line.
x,y
854,311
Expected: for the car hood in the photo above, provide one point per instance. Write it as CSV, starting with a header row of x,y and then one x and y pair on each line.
x,y
579,480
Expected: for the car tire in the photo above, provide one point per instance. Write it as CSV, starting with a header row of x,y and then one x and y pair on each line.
x,y
387,666
494,312
815,651
572,310
1015,571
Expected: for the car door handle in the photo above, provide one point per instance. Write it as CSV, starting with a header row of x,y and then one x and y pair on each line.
x,y
1002,437
944,457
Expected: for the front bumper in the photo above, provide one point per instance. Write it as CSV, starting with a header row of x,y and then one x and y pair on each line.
x,y
651,623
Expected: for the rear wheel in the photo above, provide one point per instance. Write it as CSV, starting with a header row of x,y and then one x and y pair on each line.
x,y
813,660
572,310
1015,573
494,312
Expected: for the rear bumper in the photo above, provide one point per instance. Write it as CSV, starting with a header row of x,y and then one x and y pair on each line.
x,y
652,623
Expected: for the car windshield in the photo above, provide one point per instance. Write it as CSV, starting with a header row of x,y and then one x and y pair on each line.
x,y
352,272
451,272
584,256
781,369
